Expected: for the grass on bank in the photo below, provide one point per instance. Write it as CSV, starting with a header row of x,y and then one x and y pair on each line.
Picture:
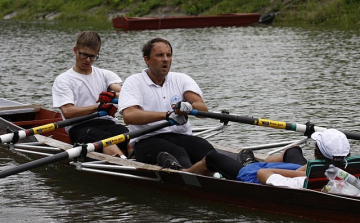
x,y
289,12
325,12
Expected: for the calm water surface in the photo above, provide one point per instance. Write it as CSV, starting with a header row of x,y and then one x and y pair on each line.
x,y
277,73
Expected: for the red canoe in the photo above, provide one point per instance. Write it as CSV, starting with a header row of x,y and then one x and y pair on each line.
x,y
225,20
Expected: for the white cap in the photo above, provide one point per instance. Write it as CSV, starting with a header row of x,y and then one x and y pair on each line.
x,y
332,143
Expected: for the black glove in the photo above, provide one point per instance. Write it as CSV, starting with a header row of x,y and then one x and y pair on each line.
x,y
106,96
109,108
176,119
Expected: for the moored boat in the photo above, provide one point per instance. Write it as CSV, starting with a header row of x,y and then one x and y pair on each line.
x,y
306,203
151,23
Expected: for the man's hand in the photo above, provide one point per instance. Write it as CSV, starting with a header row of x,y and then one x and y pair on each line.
x,y
177,119
109,108
106,97
183,107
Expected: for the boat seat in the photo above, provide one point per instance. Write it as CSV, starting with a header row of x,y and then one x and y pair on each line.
x,y
315,171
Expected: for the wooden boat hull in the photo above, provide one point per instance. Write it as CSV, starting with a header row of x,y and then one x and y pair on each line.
x,y
305,203
152,23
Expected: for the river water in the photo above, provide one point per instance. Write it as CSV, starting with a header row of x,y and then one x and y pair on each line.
x,y
287,74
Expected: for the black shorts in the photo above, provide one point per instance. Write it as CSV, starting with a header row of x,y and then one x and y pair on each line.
x,y
187,149
294,155
97,130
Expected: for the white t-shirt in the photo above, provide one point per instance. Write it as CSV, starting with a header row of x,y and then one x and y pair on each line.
x,y
140,90
82,90
278,180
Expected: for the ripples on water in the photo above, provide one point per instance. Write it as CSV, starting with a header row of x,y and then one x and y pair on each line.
x,y
278,73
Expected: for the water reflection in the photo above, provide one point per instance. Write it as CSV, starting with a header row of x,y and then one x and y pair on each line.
x,y
279,73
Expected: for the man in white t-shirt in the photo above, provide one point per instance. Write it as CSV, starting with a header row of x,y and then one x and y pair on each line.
x,y
78,91
156,95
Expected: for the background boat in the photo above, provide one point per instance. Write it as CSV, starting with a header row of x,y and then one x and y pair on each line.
x,y
150,23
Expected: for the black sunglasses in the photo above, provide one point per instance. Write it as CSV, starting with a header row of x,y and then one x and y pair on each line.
x,y
85,55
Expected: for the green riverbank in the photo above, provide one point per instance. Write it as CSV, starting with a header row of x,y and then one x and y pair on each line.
x,y
341,13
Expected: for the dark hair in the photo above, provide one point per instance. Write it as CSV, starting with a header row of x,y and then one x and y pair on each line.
x,y
88,39
320,156
149,45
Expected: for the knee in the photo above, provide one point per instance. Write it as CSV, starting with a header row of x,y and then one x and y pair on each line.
x,y
210,156
210,160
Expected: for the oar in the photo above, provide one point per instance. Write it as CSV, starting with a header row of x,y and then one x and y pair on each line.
x,y
49,127
76,151
267,123
52,126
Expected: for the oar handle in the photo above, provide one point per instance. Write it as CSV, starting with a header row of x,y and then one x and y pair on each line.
x,y
223,116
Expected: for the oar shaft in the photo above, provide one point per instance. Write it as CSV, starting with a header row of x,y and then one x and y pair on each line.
x,y
130,135
76,151
34,164
63,123
49,127
246,120
267,123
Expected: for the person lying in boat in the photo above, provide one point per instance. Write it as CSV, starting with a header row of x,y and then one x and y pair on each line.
x,y
78,91
331,145
150,96
287,169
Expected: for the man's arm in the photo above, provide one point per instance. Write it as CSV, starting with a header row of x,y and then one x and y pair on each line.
x,y
115,87
183,108
264,174
134,115
71,111
195,100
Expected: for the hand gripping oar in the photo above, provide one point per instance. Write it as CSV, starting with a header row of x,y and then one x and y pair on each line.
x,y
48,127
306,129
76,151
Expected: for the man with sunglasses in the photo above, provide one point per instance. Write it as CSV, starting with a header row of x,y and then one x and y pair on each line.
x,y
85,89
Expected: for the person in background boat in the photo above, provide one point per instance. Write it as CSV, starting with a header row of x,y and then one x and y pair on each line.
x,y
151,96
287,169
85,89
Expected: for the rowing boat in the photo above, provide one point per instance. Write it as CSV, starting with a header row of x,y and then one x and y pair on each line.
x,y
305,203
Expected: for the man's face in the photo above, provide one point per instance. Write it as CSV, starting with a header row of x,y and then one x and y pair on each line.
x,y
159,62
85,57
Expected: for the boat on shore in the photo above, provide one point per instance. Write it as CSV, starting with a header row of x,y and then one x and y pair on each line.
x,y
305,203
152,23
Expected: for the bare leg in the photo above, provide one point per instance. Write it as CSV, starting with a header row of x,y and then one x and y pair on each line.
x,y
199,168
129,150
275,158
112,150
